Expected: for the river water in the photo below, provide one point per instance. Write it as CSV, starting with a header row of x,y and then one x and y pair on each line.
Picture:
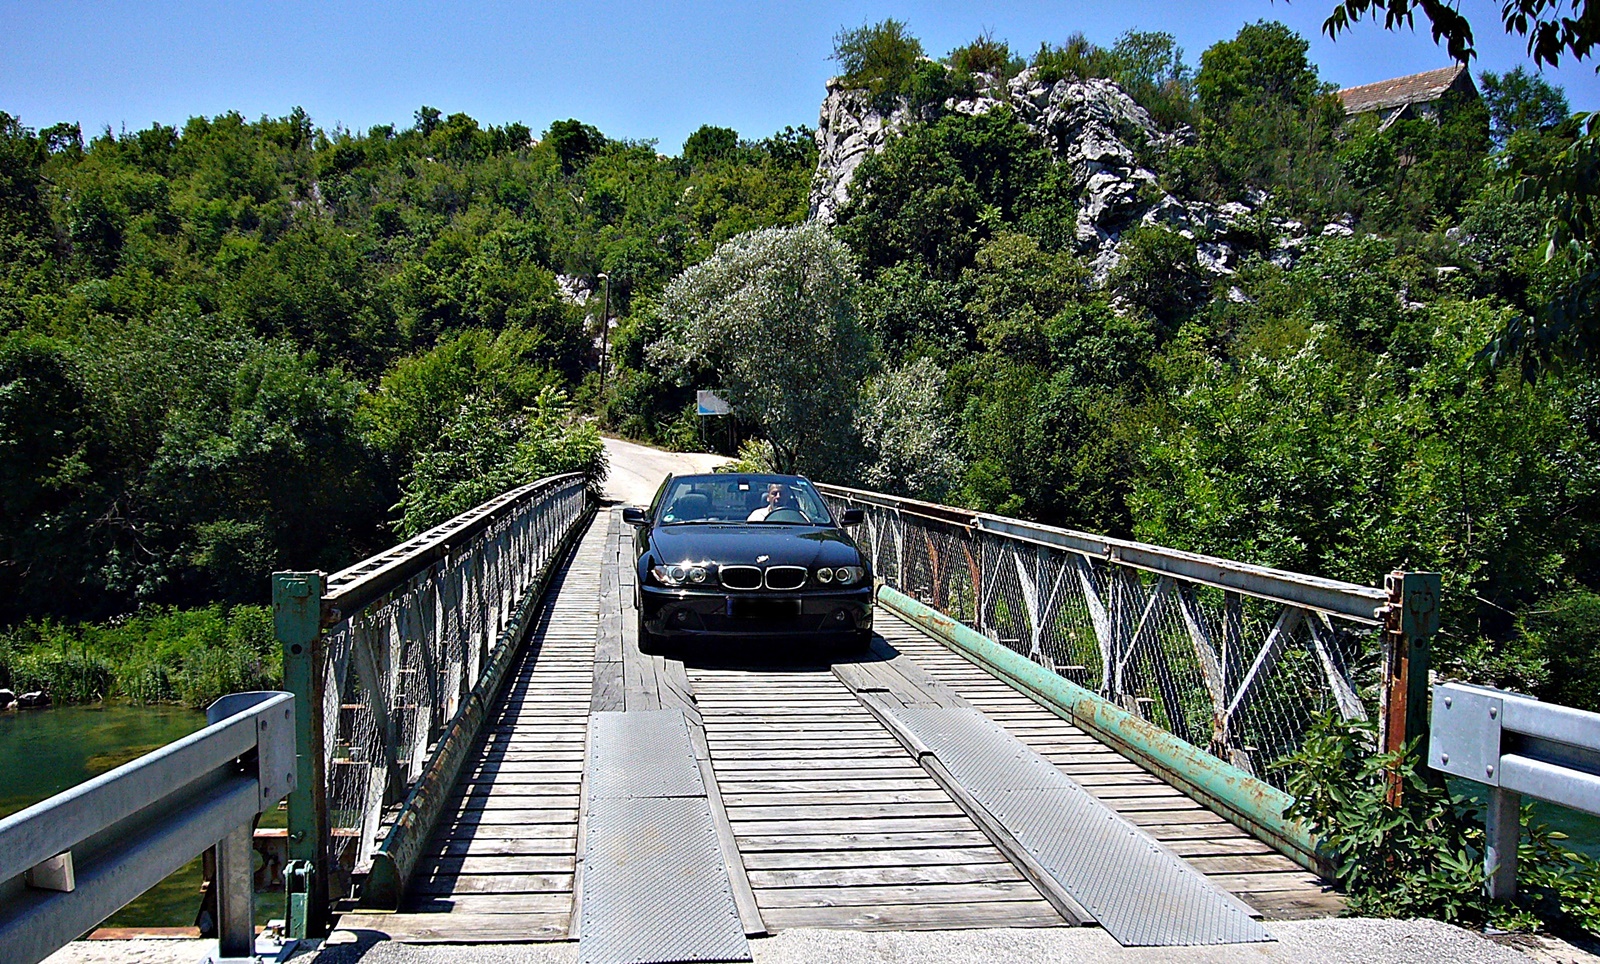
x,y
43,752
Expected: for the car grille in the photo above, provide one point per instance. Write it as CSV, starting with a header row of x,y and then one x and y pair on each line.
x,y
786,577
740,577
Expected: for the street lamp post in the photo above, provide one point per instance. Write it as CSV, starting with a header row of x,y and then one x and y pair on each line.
x,y
605,332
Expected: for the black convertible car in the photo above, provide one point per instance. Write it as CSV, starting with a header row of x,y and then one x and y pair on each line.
x,y
733,556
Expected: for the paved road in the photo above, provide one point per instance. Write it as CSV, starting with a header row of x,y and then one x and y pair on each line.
x,y
637,470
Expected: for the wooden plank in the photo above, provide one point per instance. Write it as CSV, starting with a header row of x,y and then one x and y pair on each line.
x,y
869,896
485,864
782,812
969,873
751,788
840,798
447,928
490,884
493,904
478,845
855,841
908,857
908,917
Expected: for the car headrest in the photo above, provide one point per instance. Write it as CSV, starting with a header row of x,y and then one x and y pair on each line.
x,y
691,505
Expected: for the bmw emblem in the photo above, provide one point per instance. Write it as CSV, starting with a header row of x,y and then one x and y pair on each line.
x,y
762,558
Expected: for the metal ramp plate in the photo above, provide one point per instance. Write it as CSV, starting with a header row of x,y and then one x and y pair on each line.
x,y
642,753
1140,892
655,888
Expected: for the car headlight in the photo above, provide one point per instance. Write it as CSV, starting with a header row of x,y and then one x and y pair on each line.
x,y
849,575
678,575
824,575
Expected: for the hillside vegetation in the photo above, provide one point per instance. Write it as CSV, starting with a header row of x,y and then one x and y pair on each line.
x,y
240,346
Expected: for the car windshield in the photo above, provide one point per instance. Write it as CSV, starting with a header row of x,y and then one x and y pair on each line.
x,y
743,499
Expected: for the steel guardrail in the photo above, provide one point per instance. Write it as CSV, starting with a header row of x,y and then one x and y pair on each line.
x,y
396,661
351,588
69,862
1516,746
1351,601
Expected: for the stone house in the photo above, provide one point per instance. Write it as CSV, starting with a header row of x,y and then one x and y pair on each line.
x,y
1412,96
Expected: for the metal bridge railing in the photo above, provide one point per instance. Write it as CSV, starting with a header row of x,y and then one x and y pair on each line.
x,y
69,862
397,661
1233,658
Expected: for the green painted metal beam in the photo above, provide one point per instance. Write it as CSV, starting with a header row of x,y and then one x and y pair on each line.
x,y
297,622
1252,804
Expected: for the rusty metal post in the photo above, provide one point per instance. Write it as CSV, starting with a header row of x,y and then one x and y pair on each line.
x,y
1410,621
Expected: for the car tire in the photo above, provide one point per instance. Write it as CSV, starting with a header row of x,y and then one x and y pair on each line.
x,y
650,643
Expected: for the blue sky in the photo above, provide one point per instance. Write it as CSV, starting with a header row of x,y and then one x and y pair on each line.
x,y
635,70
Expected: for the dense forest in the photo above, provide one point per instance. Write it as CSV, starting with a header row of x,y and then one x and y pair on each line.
x,y
240,346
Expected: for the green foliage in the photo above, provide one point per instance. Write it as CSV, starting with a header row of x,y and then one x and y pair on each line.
x,y
1423,856
1077,58
1158,272
936,192
481,453
709,144
1563,636
190,657
225,345
756,455
772,314
1266,122
986,55
1519,101
880,58
908,437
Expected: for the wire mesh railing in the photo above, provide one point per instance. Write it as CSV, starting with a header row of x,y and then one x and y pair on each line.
x,y
1232,658
406,638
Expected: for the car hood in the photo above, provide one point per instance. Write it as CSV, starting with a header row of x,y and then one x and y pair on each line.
x,y
782,545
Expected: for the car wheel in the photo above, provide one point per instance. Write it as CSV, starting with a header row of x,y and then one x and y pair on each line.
x,y
650,643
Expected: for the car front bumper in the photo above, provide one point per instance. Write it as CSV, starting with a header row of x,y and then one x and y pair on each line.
x,y
678,613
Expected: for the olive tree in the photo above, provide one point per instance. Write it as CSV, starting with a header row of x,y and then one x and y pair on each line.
x,y
910,441
770,318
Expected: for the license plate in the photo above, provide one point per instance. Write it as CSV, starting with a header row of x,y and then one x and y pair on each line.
x,y
741,607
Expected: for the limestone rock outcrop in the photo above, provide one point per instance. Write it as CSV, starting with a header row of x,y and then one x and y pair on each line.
x,y
849,130
1099,133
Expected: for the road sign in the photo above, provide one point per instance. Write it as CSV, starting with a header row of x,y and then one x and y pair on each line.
x,y
707,403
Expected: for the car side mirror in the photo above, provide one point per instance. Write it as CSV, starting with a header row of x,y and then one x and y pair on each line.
x,y
853,517
634,516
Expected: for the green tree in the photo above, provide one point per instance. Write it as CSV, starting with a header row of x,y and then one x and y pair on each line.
x,y
772,316
709,144
1520,101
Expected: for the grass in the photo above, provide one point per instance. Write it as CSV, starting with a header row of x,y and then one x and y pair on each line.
x,y
184,656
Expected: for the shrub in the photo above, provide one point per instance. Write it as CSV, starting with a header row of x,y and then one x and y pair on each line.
x,y
67,677
1424,856
880,58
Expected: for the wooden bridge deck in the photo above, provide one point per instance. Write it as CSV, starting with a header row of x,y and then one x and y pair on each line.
x,y
824,819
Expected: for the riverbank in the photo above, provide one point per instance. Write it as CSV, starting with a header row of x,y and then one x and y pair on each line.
x,y
187,657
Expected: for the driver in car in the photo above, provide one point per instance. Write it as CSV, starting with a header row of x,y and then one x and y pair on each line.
x,y
774,501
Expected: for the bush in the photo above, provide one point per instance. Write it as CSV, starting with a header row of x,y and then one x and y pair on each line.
x,y
67,677
1424,857
880,58
190,657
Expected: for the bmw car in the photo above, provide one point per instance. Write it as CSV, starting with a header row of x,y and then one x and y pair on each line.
x,y
739,557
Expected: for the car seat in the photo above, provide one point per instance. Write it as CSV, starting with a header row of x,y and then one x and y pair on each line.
x,y
690,506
